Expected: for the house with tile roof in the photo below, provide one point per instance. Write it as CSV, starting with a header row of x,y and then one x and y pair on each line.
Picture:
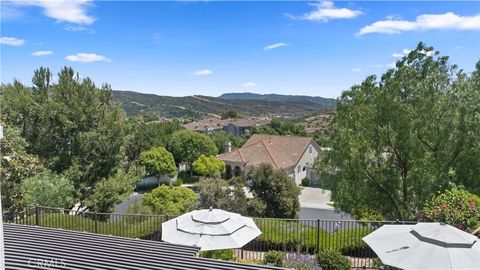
x,y
290,153
244,125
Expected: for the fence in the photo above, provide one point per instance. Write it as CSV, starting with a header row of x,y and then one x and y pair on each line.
x,y
289,235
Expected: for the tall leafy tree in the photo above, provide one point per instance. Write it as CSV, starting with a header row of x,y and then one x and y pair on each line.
x,y
72,125
166,200
188,146
276,190
158,161
398,139
47,189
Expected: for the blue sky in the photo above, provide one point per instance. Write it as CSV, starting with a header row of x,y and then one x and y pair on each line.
x,y
212,47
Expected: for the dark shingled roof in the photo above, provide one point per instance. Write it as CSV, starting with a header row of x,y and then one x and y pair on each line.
x,y
31,247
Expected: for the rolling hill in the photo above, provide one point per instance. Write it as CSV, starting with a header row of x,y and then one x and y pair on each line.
x,y
200,106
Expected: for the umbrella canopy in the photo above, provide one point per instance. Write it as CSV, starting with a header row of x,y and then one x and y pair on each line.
x,y
425,246
210,229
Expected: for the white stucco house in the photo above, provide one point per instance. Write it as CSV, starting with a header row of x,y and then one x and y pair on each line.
x,y
291,153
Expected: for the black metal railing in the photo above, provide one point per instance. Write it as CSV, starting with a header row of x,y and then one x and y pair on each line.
x,y
288,235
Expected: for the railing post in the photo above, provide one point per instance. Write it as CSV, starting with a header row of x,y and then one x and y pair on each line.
x,y
37,215
317,244
96,222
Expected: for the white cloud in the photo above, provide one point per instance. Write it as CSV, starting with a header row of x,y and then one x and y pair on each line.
x,y
42,53
356,69
376,66
72,11
74,28
402,54
424,22
87,58
392,65
275,46
11,41
458,48
203,72
249,84
325,11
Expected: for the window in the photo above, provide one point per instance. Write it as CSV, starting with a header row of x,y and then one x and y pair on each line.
x,y
299,168
310,149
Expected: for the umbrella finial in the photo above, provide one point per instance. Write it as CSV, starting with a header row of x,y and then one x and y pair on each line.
x,y
210,209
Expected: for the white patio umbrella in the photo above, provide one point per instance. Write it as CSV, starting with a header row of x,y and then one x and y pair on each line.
x,y
210,229
425,246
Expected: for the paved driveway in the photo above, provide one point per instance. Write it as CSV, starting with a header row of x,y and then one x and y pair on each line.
x,y
315,204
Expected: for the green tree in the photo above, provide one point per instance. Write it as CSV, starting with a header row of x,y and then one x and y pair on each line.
x,y
221,138
158,161
110,191
282,127
143,135
166,200
397,140
188,146
16,165
209,165
277,190
229,114
455,207
217,193
73,126
47,189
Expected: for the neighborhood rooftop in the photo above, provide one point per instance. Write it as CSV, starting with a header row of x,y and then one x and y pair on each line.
x,y
278,151
31,247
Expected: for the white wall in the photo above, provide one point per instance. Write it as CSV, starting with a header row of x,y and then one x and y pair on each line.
x,y
307,158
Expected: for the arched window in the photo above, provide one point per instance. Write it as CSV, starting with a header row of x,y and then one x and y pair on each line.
x,y
228,172
237,171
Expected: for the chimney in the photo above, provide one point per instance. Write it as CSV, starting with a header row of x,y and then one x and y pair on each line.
x,y
228,147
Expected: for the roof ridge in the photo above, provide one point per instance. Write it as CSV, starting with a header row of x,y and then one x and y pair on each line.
x,y
270,154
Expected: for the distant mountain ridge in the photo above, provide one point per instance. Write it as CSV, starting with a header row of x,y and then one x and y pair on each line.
x,y
200,106
277,97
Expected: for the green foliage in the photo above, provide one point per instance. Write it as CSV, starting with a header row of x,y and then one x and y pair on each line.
x,y
110,191
209,165
456,207
188,146
221,138
333,260
166,200
177,182
224,254
276,189
143,135
229,114
16,164
47,189
137,212
398,139
73,125
158,161
305,182
282,127
274,258
217,193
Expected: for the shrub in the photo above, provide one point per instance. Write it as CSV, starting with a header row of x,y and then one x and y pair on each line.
x,y
167,200
299,261
274,258
177,182
305,182
333,260
456,207
224,254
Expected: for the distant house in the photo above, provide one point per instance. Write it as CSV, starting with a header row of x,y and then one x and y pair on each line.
x,y
293,154
244,125
207,125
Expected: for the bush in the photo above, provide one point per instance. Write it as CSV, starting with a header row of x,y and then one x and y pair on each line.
x,y
333,260
274,258
456,207
299,261
305,182
177,182
224,254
